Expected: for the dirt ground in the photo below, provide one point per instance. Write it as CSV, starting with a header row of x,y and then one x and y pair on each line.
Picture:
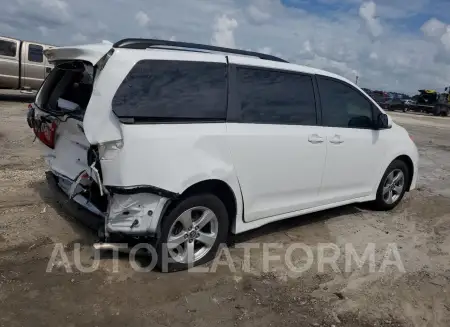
x,y
32,222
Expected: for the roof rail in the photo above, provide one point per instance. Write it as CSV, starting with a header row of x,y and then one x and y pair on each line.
x,y
136,43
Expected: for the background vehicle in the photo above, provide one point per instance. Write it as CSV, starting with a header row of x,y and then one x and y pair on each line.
x,y
432,102
23,65
182,155
395,104
381,98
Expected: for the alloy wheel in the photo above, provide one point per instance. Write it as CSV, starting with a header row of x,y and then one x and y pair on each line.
x,y
192,235
393,186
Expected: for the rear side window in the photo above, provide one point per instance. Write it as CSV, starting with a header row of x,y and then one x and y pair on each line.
x,y
8,48
344,106
159,90
35,53
275,97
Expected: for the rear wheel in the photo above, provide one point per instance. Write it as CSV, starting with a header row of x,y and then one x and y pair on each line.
x,y
437,110
192,232
393,186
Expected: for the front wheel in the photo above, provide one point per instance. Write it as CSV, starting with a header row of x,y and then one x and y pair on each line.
x,y
393,186
192,232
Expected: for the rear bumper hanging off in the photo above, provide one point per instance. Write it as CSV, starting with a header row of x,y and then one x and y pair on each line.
x,y
77,207
131,211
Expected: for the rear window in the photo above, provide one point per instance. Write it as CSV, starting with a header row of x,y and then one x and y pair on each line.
x,y
70,81
160,90
8,48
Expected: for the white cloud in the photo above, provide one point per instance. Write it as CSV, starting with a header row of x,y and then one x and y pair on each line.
x,y
266,50
257,14
44,30
79,38
223,32
52,7
445,39
439,33
6,28
367,12
337,66
373,41
54,4
101,26
142,19
433,28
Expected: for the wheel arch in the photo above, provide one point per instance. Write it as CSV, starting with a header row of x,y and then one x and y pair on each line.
x,y
409,163
219,188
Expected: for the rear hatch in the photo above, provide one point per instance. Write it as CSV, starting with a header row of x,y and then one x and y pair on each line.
x,y
57,114
58,117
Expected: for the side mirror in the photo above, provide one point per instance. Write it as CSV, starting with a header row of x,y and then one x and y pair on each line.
x,y
383,121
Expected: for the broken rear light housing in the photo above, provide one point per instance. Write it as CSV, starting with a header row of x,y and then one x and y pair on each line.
x,y
46,133
44,129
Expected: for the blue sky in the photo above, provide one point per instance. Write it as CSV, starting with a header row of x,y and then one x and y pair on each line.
x,y
320,7
399,45
410,20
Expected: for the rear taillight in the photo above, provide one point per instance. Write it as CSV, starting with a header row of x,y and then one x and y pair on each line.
x,y
44,128
46,132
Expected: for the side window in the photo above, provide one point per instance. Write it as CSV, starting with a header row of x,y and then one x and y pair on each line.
x,y
163,90
274,97
8,48
343,106
35,53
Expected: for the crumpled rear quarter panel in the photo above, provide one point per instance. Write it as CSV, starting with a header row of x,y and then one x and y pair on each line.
x,y
170,156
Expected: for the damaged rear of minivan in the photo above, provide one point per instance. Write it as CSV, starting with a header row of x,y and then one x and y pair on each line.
x,y
131,170
56,118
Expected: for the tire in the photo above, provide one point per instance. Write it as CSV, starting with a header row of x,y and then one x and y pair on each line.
x,y
383,202
437,111
174,223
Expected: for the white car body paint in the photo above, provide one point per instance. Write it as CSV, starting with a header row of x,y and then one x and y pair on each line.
x,y
274,171
90,52
266,155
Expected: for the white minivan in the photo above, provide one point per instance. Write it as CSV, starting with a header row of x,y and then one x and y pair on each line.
x,y
183,144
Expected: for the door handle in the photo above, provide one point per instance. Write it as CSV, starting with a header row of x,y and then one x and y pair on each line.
x,y
336,139
315,138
